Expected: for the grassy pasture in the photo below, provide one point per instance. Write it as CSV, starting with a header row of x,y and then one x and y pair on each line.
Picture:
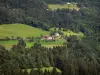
x,y
63,6
48,43
57,42
20,30
69,33
8,44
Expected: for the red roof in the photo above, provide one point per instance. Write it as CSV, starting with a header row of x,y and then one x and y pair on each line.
x,y
45,36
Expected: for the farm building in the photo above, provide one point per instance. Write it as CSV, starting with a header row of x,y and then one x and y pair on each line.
x,y
47,38
57,34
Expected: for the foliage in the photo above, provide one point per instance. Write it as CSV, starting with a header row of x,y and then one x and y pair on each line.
x,y
77,57
81,58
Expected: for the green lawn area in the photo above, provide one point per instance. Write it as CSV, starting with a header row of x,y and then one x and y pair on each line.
x,y
20,30
70,33
48,43
61,6
8,44
57,42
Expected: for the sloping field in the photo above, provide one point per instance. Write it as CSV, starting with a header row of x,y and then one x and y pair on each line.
x,y
63,6
20,30
69,32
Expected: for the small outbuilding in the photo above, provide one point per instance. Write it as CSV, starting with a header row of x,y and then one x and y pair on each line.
x,y
57,34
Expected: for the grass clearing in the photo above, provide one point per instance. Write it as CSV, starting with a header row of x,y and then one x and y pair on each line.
x,y
63,6
48,44
20,30
57,42
69,33
8,44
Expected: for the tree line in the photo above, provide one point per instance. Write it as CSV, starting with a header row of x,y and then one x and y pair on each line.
x,y
77,57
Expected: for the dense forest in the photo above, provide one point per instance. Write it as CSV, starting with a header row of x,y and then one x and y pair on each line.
x,y
59,1
35,13
76,57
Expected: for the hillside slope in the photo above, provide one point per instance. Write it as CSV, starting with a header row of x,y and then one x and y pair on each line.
x,y
21,30
31,12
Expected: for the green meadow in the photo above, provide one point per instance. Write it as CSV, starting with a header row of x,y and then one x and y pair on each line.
x,y
20,30
69,33
8,44
63,6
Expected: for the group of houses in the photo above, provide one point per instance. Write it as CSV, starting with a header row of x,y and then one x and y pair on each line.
x,y
45,37
48,37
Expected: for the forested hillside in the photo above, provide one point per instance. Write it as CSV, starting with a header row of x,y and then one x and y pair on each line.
x,y
76,56
59,1
23,11
36,13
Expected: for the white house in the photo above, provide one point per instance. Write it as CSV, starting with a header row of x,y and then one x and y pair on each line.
x,y
57,34
68,3
50,38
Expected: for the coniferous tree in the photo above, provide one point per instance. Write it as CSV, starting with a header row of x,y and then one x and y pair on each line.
x,y
22,43
3,59
25,72
32,72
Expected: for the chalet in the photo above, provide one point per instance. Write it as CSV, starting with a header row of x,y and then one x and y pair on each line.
x,y
47,38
